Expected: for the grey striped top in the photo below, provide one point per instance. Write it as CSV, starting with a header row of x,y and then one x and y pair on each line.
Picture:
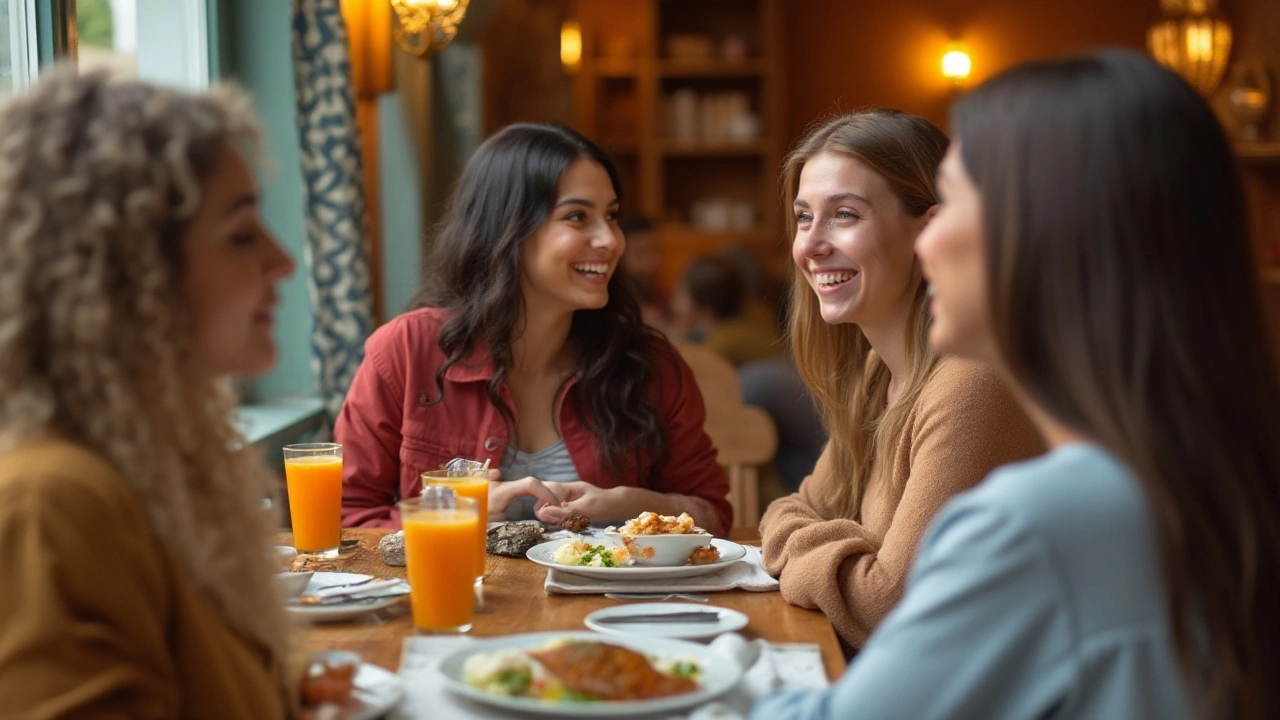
x,y
550,464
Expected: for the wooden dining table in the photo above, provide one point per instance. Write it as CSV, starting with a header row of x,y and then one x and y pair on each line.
x,y
512,601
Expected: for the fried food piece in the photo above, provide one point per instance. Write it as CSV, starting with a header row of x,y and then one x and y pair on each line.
x,y
609,672
577,523
304,563
704,555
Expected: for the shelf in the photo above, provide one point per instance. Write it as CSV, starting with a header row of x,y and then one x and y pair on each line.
x,y
1260,154
685,230
674,150
710,69
617,67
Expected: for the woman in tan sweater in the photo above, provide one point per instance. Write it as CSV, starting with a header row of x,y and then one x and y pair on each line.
x,y
907,430
134,274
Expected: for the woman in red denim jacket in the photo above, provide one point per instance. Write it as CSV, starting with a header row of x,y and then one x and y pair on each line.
x,y
527,350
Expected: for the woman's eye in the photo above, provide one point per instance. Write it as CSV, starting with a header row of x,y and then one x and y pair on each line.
x,y
612,216
244,237
846,215
575,217
804,218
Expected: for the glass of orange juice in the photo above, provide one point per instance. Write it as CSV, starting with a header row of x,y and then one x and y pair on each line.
x,y
313,472
475,485
440,555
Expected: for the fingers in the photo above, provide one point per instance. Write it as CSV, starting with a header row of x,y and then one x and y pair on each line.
x,y
552,514
495,475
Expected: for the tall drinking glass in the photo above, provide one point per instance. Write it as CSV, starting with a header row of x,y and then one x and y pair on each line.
x,y
474,485
313,473
439,552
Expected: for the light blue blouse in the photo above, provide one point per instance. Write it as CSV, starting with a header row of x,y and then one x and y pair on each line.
x,y
1038,594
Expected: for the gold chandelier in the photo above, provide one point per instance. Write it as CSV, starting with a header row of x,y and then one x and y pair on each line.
x,y
424,27
1192,41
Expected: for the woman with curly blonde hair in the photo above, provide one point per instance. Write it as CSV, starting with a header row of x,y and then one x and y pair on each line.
x,y
135,273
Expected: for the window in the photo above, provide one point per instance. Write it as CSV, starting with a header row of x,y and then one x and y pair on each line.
x,y
163,41
18,59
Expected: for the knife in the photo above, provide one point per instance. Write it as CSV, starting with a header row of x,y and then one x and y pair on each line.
x,y
698,616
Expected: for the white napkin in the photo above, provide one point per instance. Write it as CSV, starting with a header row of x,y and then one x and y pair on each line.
x,y
769,667
745,574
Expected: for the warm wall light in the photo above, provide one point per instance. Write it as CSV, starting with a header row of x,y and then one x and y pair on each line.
x,y
424,27
1192,41
570,45
956,66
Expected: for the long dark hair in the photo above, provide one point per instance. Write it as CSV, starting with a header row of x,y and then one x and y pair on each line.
x,y
1127,305
506,192
833,360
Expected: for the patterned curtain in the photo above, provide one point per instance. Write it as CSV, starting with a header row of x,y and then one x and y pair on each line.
x,y
337,250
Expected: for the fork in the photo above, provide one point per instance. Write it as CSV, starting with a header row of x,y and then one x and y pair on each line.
x,y
659,597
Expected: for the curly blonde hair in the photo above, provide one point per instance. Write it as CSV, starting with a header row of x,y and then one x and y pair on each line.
x,y
98,179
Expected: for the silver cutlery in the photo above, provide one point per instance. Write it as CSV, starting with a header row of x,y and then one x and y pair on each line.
x,y
696,616
656,596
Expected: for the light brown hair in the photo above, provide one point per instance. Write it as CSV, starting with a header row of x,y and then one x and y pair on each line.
x,y
98,180
1125,304
847,380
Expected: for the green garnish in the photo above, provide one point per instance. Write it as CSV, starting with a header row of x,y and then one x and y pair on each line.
x,y
513,682
606,557
685,670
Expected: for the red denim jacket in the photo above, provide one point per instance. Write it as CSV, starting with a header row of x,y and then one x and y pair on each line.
x,y
391,434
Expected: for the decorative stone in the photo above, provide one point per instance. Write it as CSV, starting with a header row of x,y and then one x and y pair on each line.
x,y
392,547
513,539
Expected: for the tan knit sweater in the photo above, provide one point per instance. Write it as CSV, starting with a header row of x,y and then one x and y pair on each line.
x,y
964,424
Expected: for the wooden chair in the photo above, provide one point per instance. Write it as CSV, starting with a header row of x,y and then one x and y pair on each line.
x,y
744,435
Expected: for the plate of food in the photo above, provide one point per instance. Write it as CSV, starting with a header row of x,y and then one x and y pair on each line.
x,y
338,685
651,546
585,674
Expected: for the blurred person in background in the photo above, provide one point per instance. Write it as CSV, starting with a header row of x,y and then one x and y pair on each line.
x,y
1093,245
135,275
711,307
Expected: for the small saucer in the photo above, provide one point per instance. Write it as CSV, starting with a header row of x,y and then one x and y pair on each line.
x,y
730,620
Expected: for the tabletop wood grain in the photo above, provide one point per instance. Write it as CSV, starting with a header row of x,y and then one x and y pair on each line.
x,y
514,602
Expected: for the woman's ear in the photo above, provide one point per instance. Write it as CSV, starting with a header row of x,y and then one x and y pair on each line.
x,y
928,214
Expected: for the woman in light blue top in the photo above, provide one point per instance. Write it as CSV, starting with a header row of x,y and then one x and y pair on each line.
x,y
1092,244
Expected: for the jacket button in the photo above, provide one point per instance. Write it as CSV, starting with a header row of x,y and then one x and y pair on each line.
x,y
491,444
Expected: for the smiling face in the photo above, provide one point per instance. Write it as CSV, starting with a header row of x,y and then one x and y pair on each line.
x,y
853,242
567,263
954,263
231,265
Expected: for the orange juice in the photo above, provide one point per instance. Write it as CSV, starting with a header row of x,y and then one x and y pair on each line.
x,y
315,501
476,488
440,550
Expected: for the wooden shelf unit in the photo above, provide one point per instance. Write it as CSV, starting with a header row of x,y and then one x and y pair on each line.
x,y
664,178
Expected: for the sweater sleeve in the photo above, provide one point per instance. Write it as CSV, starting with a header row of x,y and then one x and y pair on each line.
x,y
984,609
691,468
966,425
369,430
83,601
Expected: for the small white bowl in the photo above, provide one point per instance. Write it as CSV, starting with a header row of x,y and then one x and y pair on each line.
x,y
293,583
285,555
668,550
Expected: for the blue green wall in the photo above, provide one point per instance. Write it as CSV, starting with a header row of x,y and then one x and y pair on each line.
x,y
260,57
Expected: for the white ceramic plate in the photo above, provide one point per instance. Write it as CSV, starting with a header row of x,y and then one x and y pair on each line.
x,y
544,554
376,693
717,676
341,610
730,620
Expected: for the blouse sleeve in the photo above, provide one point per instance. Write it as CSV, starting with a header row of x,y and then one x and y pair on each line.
x,y
966,426
83,603
369,430
983,609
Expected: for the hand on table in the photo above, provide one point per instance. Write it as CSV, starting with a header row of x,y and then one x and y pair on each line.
x,y
575,498
502,494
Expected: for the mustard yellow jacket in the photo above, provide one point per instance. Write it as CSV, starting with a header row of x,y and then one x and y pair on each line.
x,y
96,619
